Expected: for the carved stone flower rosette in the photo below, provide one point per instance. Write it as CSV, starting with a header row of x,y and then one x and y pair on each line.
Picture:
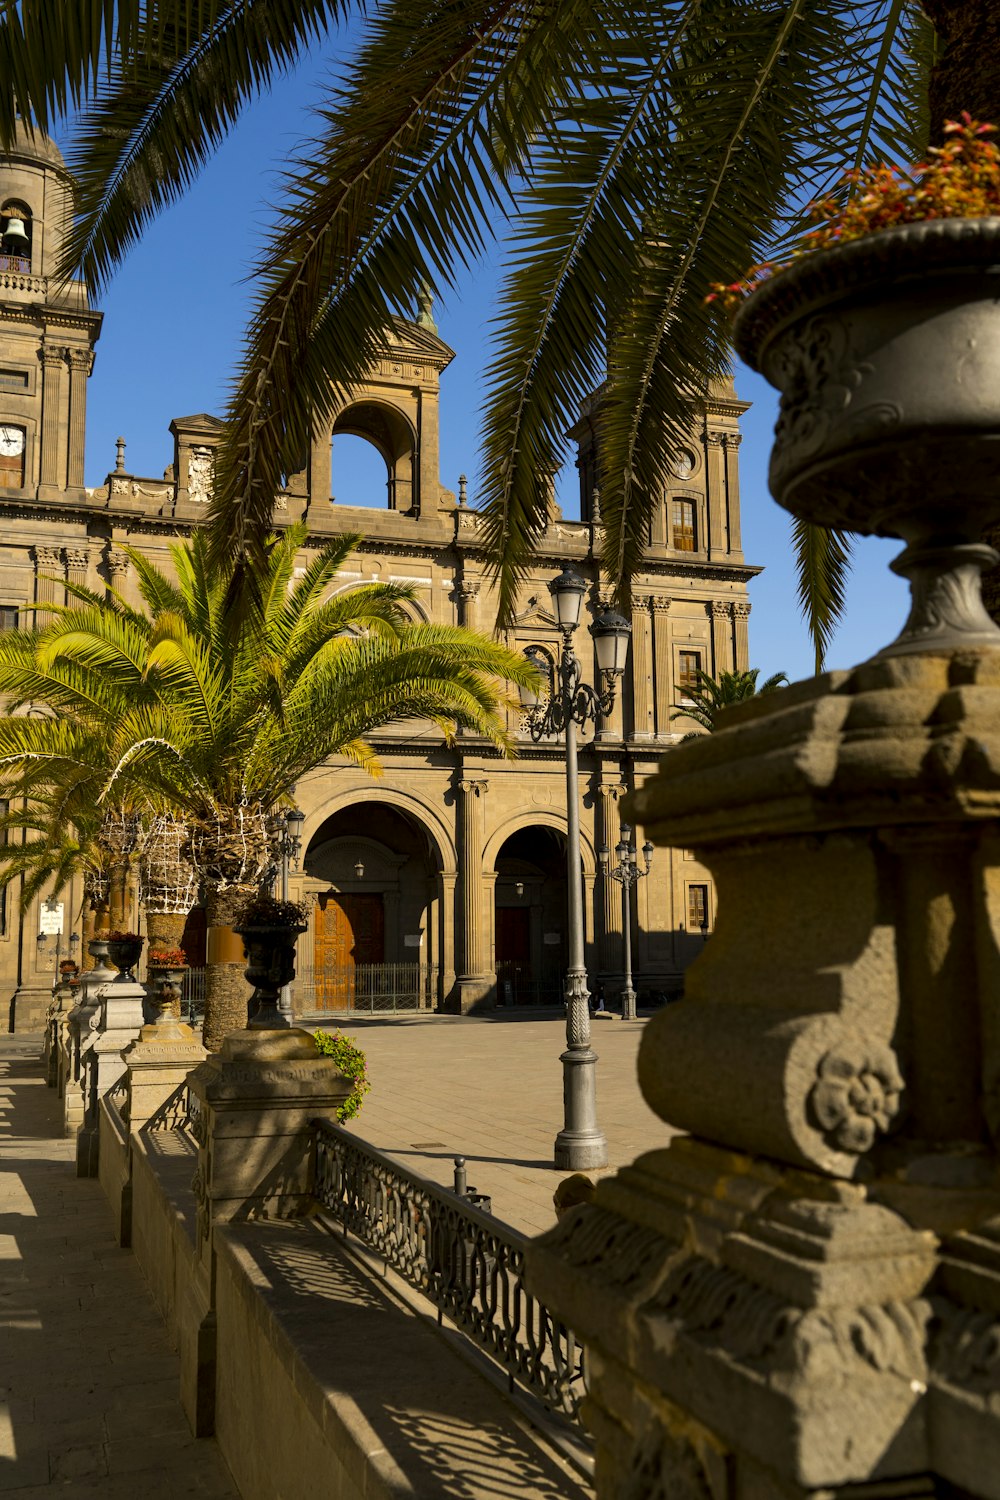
x,y
856,1095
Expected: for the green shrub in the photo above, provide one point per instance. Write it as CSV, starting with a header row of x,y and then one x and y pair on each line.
x,y
351,1061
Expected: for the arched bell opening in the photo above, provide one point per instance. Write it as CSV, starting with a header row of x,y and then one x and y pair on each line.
x,y
16,233
531,945
355,476
372,883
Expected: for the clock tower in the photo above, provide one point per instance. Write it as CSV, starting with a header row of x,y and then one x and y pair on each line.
x,y
47,332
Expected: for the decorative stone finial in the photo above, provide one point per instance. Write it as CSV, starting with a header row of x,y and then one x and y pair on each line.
x,y
463,491
425,308
120,455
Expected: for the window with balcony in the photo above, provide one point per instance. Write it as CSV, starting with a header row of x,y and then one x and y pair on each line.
x,y
682,526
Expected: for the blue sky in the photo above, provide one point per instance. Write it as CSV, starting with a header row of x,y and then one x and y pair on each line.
x,y
171,337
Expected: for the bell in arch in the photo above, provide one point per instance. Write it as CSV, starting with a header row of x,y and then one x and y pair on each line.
x,y
15,236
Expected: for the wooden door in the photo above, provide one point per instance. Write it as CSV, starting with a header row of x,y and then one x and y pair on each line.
x,y
350,931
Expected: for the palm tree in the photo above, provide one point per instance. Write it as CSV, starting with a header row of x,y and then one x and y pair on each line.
x,y
704,702
633,154
216,713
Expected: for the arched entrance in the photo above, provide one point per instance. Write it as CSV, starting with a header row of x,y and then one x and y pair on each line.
x,y
530,944
371,880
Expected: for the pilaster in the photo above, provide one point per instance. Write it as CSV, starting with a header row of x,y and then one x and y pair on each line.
x,y
642,676
731,444
663,665
81,362
715,479
48,573
52,470
741,619
722,635
78,565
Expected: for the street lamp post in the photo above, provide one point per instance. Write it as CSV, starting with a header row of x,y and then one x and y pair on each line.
x,y
628,874
580,1144
287,843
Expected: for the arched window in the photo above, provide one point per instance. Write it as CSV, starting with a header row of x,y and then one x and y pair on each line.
x,y
388,432
15,236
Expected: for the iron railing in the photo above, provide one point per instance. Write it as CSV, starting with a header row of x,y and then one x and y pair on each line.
x,y
371,989
118,1097
468,1264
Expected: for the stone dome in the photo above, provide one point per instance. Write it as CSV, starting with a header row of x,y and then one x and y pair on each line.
x,y
32,143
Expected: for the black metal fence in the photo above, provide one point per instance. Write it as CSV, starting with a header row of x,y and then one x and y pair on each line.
x,y
368,989
467,1263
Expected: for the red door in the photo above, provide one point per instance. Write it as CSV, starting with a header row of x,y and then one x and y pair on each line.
x,y
350,931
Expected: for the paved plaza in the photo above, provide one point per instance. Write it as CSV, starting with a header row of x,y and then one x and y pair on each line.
x,y
490,1090
88,1384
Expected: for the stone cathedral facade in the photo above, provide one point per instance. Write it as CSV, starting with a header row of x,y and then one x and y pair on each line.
x,y
449,872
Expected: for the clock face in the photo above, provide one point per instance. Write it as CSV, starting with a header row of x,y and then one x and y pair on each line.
x,y
11,441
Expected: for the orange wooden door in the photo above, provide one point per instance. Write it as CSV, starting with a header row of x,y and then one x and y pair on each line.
x,y
350,930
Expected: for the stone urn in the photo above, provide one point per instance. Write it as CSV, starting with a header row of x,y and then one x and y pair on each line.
x,y
886,352
125,952
269,948
166,982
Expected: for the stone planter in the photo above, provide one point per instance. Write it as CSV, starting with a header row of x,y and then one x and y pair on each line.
x,y
886,352
166,993
270,953
125,953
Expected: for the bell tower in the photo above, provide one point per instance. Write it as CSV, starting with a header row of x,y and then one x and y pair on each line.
x,y
47,331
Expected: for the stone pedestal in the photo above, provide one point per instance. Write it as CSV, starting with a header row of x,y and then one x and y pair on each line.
x,y
256,1159
119,1022
803,1295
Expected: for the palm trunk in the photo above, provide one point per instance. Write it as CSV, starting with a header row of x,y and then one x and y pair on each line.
x,y
227,991
119,880
967,75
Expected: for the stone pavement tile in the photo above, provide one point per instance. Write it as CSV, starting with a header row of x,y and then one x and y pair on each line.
x,y
491,1090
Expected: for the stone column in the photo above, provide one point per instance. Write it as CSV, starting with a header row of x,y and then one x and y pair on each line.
x,y
663,666
722,635
741,616
48,571
715,480
81,362
52,472
608,832
476,980
800,1296
731,444
642,685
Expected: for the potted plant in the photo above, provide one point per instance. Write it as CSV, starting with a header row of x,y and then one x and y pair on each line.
x,y
167,967
882,333
124,951
269,929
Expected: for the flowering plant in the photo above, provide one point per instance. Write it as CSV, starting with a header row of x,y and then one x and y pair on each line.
x,y
265,911
351,1061
959,180
122,937
167,958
